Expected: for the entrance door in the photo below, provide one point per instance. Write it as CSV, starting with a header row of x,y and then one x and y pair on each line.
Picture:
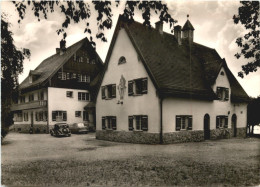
x,y
234,124
206,127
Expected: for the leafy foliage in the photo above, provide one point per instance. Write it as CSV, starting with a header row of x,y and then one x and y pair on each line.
x,y
11,66
254,112
248,15
76,11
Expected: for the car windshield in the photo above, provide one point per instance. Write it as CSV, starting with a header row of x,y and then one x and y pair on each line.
x,y
80,125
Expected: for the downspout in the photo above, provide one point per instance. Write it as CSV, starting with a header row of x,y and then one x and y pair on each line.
x,y
161,121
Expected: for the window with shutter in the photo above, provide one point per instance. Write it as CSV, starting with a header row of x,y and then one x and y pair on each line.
x,y
64,115
226,94
103,123
144,86
54,116
59,75
219,92
103,91
217,121
130,123
145,123
114,122
36,116
113,91
190,123
178,123
226,122
130,88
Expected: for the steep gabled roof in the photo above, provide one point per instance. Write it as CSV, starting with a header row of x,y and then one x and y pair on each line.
x,y
180,70
48,67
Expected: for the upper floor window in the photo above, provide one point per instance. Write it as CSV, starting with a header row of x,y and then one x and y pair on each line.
x,y
22,99
222,122
108,91
109,122
69,94
41,95
59,115
31,97
138,122
137,86
62,75
83,78
83,96
121,60
183,122
223,93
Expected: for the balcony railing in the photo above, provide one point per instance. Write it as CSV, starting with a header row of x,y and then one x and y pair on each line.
x,y
29,105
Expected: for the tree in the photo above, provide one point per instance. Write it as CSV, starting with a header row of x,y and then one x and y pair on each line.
x,y
76,11
253,113
248,15
11,66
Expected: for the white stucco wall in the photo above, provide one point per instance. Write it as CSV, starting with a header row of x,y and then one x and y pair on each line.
x,y
58,100
198,108
146,104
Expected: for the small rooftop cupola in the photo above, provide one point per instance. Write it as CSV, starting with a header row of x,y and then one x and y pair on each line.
x,y
159,26
187,31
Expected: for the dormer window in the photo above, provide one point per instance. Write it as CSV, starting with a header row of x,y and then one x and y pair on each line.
x,y
223,93
121,60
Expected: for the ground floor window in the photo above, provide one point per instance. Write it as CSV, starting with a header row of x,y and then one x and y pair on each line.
x,y
85,116
183,122
18,117
109,122
59,115
25,116
222,122
138,122
77,113
41,116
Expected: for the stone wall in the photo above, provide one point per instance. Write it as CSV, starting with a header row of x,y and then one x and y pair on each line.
x,y
25,128
183,136
241,132
128,137
222,133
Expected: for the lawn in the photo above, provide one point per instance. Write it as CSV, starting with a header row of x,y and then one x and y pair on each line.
x,y
233,162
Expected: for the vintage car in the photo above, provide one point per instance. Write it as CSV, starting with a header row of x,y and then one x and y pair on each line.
x,y
60,129
78,128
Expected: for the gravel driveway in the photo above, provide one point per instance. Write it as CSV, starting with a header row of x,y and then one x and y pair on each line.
x,y
82,160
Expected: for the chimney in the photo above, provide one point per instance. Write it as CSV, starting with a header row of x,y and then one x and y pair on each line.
x,y
62,47
57,50
177,33
159,26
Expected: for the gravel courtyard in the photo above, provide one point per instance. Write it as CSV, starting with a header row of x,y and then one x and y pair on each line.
x,y
81,160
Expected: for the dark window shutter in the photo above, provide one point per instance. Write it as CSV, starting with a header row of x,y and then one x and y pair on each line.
x,y
144,124
178,123
190,123
53,116
130,123
103,123
103,90
36,116
114,122
219,92
226,122
144,86
64,116
113,91
226,94
217,122
79,96
130,88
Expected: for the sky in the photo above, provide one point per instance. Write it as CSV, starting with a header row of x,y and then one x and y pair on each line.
x,y
212,20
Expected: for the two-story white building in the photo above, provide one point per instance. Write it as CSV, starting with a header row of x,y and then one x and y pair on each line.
x,y
164,88
61,89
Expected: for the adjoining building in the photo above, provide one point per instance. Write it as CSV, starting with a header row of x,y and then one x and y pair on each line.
x,y
62,88
164,88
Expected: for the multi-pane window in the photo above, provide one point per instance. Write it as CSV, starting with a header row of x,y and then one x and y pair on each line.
x,y
62,75
77,113
19,117
85,116
223,93
41,95
222,121
83,96
109,122
108,91
137,87
59,115
25,116
74,76
68,75
83,78
183,122
69,94
138,122
31,97
22,99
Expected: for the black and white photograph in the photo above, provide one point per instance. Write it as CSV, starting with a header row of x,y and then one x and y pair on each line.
x,y
130,93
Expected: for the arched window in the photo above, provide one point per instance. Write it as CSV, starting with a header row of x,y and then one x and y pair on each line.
x,y
121,60
222,73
